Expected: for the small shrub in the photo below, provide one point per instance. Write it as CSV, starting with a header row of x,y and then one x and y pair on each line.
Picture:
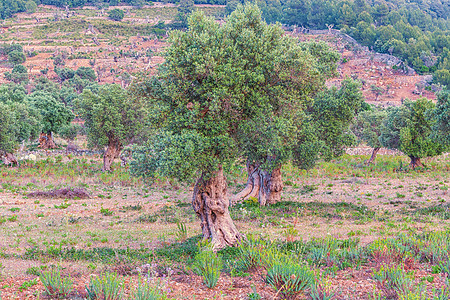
x,y
208,264
105,287
55,284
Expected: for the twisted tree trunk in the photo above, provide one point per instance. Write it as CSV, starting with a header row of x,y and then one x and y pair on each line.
x,y
261,184
46,141
374,155
415,162
210,203
112,152
9,159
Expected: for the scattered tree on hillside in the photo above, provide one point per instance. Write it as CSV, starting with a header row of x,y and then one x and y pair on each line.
x,y
116,14
18,74
409,129
368,129
112,119
185,8
54,115
16,57
377,91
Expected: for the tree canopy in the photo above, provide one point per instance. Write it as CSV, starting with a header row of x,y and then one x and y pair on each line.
x,y
54,113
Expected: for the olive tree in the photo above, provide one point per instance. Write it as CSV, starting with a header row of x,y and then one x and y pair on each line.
x,y
54,115
112,119
368,129
225,92
409,129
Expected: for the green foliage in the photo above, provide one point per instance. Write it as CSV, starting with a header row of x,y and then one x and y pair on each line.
x,y
441,129
442,77
368,126
54,113
116,14
409,128
325,131
228,91
185,8
65,73
16,57
55,284
69,131
86,73
413,31
208,264
20,122
110,114
333,111
105,287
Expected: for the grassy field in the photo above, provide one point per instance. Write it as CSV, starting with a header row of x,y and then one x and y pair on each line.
x,y
345,220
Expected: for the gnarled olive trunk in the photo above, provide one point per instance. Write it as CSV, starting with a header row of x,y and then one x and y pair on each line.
x,y
46,141
9,159
415,162
112,152
261,184
374,155
210,203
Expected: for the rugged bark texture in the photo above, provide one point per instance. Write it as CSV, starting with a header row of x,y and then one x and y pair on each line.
x,y
415,162
374,155
9,158
46,141
211,204
266,186
112,152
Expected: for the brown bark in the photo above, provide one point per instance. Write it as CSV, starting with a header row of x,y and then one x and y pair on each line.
x,y
9,159
374,155
415,162
264,185
210,203
46,141
112,152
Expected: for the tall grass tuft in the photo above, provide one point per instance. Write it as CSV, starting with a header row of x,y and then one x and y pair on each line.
x,y
290,279
208,264
105,287
144,291
55,284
